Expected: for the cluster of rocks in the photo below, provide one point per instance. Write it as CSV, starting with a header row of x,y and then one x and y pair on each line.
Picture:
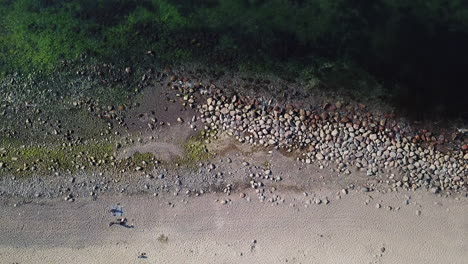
x,y
332,136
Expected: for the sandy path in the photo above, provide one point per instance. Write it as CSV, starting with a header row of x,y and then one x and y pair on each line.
x,y
204,231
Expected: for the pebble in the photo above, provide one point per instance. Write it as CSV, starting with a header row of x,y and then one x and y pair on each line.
x,y
334,133
319,156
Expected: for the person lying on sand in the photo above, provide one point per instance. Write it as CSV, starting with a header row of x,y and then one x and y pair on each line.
x,y
121,221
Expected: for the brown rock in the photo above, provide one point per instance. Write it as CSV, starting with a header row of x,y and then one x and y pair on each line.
x,y
324,116
344,120
383,121
302,112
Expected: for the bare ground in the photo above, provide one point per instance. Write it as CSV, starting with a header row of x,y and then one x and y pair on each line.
x,y
200,230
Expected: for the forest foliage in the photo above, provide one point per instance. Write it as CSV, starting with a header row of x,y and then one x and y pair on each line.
x,y
419,43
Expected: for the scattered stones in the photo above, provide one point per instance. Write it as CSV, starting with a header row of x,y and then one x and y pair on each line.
x,y
331,136
69,198
362,141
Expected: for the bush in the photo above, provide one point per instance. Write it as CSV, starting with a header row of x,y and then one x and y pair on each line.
x,y
38,34
420,43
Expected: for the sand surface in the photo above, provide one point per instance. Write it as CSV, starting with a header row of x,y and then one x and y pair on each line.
x,y
201,230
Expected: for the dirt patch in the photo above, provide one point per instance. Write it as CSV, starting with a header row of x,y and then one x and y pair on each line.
x,y
157,108
225,144
161,151
166,144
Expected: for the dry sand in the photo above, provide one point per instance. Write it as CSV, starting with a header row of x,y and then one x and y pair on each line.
x,y
200,230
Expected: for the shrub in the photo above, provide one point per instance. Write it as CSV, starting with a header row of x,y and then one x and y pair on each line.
x,y
420,43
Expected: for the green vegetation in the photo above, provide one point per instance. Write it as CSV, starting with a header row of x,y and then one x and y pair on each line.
x,y
36,35
195,151
418,43
27,160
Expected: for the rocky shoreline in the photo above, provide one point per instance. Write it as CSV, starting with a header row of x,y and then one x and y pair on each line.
x,y
341,137
338,141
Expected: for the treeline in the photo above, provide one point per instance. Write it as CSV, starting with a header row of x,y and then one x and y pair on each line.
x,y
418,46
